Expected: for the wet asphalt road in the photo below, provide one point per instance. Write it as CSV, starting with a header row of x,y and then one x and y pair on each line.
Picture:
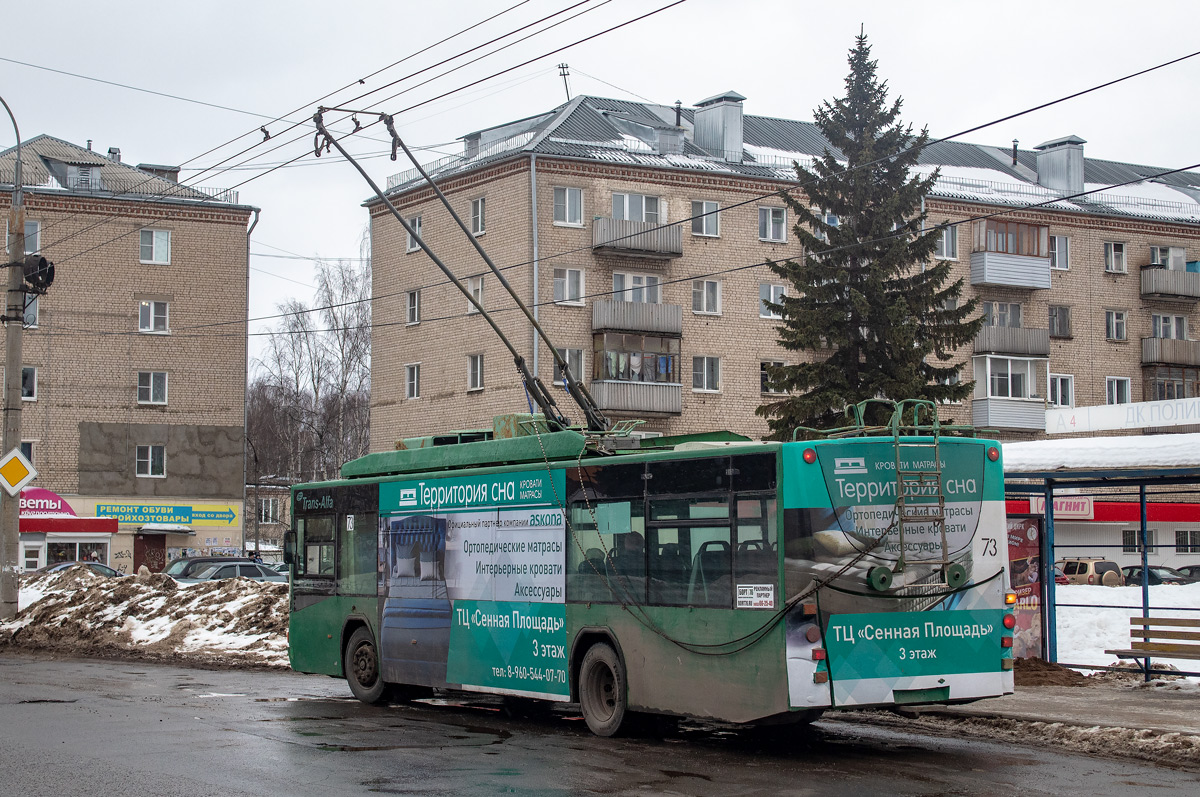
x,y
102,727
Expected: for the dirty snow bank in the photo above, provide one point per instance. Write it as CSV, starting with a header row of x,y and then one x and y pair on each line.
x,y
233,621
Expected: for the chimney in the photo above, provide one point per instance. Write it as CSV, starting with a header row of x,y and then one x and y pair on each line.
x,y
89,145
165,172
114,153
1060,164
718,123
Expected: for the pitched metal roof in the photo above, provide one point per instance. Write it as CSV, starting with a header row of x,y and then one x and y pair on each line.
x,y
596,128
43,158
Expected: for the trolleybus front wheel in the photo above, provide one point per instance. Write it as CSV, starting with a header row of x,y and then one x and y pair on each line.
x,y
602,689
361,664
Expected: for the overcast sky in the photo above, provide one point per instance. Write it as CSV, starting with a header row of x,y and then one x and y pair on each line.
x,y
955,64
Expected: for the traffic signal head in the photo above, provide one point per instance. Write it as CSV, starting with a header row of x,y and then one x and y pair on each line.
x,y
39,272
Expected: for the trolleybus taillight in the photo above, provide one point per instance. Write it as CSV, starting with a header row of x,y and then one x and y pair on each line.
x,y
810,456
993,453
1010,621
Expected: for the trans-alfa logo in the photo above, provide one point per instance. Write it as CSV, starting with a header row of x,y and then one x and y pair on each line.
x,y
408,496
849,465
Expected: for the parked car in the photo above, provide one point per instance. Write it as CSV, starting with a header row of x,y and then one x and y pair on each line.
x,y
95,567
1190,570
1157,575
216,572
188,567
1059,576
1091,570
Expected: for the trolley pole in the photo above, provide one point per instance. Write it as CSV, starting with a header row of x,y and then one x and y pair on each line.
x,y
10,506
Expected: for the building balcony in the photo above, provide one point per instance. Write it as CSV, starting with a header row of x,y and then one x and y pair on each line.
x,y
1170,284
657,398
637,238
662,319
1009,413
1005,270
1013,340
1167,351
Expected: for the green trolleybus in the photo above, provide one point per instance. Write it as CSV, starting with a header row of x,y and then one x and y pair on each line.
x,y
704,575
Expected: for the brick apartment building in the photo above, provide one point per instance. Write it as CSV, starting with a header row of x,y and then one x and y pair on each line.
x,y
1088,301
134,406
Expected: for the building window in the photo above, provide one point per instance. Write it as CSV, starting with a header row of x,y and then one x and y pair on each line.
x,y
574,359
30,321
1130,541
1008,377
475,372
1168,326
706,296
830,220
1166,383
772,224
706,374
1002,314
1117,389
156,247
635,207
151,461
1060,321
1062,390
1011,237
152,387
568,206
641,288
475,286
33,234
1114,257
477,216
412,313
29,383
769,293
412,381
1060,252
947,246
1187,541
153,317
1114,324
764,378
268,510
411,244
622,357
27,450
568,286
1172,257
705,219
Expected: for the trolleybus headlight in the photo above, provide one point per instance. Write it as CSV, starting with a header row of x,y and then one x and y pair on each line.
x,y
1010,621
993,453
810,456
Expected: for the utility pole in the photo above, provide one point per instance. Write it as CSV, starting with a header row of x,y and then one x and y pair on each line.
x,y
10,506
565,71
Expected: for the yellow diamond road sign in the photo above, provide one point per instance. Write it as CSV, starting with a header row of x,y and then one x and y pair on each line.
x,y
15,472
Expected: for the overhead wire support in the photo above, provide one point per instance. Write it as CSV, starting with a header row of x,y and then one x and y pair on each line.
x,y
534,385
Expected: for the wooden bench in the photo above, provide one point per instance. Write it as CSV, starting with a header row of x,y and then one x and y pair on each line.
x,y
1161,638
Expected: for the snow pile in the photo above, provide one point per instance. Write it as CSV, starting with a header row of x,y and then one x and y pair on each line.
x,y
1085,633
232,621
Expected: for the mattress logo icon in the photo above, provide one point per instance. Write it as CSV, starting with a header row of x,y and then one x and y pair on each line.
x,y
408,496
849,465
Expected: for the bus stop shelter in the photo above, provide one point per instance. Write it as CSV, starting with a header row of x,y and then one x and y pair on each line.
x,y
1126,465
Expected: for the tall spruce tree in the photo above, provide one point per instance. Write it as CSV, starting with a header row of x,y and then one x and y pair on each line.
x,y
868,303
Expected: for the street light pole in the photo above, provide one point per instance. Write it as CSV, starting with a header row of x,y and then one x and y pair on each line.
x,y
10,506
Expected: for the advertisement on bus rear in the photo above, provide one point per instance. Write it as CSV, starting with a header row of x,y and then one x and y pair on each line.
x,y
477,581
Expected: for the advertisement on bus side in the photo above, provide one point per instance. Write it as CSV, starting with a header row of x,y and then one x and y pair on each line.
x,y
502,578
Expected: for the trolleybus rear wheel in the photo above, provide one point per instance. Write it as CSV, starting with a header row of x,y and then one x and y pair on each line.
x,y
602,689
361,664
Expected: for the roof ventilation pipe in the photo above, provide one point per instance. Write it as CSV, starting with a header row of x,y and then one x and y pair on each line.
x,y
718,122
114,153
1060,164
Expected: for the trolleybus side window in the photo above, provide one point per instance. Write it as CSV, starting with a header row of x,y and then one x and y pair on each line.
x,y
691,553
358,554
316,542
606,527
756,560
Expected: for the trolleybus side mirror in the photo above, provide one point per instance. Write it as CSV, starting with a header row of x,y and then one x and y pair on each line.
x,y
289,548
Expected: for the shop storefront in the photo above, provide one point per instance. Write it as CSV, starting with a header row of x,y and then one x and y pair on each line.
x,y
51,532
